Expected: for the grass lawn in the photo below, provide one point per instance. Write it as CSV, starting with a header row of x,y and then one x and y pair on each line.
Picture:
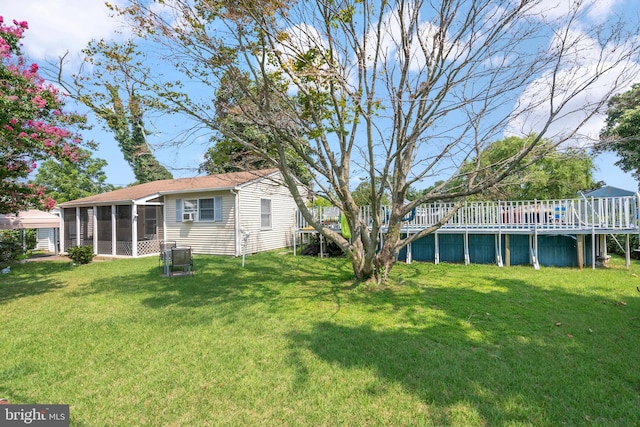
x,y
290,341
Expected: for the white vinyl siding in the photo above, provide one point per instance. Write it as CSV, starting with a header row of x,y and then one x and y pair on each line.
x,y
46,239
205,236
283,209
223,236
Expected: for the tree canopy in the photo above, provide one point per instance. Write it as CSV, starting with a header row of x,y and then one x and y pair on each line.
x,y
64,180
108,88
394,93
560,174
622,130
251,146
33,125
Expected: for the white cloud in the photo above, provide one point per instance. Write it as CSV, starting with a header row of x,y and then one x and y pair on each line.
x,y
300,39
58,26
600,10
595,10
584,99
384,44
584,110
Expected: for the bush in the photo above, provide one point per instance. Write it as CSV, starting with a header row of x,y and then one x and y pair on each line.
x,y
613,248
16,244
81,254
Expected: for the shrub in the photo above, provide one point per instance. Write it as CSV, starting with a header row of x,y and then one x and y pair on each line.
x,y
81,254
16,244
613,248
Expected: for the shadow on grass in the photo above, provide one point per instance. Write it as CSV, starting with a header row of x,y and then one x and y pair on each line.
x,y
29,280
516,354
218,280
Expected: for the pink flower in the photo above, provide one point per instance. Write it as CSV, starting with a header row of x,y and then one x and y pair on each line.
x,y
24,25
40,102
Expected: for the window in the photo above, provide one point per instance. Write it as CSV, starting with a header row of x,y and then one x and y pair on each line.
x,y
207,210
199,209
265,213
149,216
190,206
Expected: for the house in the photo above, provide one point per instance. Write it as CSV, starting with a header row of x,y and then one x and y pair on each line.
x,y
609,191
212,214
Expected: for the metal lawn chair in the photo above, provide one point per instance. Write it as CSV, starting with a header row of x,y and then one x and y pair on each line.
x,y
182,260
165,253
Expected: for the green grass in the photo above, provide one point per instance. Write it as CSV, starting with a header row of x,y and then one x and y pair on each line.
x,y
290,341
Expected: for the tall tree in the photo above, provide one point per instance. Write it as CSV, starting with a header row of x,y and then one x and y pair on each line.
x,y
65,180
403,91
109,89
252,146
33,125
622,130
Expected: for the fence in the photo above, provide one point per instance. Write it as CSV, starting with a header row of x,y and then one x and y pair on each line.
x,y
610,213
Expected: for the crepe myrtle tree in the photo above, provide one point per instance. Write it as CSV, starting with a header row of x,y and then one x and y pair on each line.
x,y
394,93
33,126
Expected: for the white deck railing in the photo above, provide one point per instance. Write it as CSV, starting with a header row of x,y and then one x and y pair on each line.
x,y
610,213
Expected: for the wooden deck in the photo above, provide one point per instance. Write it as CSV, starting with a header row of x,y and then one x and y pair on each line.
x,y
614,215
597,217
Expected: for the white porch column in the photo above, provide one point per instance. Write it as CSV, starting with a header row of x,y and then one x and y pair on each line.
x,y
627,251
467,259
94,221
114,241
134,230
77,226
61,246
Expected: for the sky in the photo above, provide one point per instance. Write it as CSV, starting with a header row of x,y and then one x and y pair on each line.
x,y
59,26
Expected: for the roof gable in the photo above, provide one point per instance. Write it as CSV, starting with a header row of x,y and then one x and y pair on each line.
x,y
226,181
609,191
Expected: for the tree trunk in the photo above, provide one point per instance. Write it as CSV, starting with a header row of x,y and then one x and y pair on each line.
x,y
388,253
363,267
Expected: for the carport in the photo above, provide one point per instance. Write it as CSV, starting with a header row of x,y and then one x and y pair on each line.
x,y
32,219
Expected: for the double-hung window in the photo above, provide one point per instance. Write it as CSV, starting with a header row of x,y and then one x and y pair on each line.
x,y
265,213
199,209
207,210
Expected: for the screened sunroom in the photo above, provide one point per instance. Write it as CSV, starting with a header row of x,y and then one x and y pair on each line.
x,y
117,229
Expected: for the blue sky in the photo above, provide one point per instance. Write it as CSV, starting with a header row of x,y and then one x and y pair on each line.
x,y
47,39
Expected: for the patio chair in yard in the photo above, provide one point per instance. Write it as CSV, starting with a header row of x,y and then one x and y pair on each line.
x,y
181,260
165,252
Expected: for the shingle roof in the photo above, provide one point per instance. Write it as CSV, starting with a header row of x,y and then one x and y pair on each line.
x,y
609,191
169,186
